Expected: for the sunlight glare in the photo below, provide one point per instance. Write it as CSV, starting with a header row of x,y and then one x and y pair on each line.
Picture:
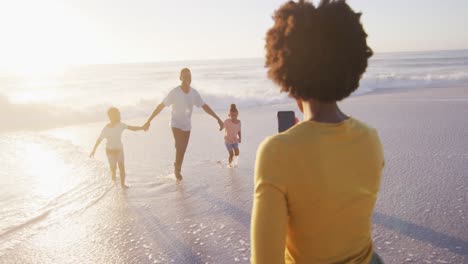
x,y
35,96
46,169
41,37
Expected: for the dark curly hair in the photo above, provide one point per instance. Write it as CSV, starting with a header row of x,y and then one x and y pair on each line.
x,y
317,52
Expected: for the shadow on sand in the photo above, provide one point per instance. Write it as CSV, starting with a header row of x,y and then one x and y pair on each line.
x,y
455,245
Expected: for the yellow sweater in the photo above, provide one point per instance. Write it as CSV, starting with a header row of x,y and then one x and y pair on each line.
x,y
315,189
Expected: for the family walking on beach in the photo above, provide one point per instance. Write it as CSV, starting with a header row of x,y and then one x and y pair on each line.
x,y
316,184
182,99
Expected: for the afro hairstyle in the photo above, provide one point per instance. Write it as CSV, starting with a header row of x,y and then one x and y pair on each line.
x,y
317,52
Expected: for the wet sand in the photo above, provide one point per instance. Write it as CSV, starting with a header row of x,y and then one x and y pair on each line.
x,y
420,215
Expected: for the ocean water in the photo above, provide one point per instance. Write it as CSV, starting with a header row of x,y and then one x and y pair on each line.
x,y
48,123
81,94
44,180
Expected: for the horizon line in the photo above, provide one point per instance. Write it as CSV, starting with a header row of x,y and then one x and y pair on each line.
x,y
220,59
238,58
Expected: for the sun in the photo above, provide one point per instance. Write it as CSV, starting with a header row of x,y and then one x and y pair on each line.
x,y
43,38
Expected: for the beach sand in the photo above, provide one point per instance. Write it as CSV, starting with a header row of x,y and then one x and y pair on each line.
x,y
420,216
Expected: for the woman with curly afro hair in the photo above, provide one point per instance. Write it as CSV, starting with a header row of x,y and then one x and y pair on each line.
x,y
316,184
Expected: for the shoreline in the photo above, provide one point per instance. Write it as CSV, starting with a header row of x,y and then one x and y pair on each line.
x,y
379,91
420,215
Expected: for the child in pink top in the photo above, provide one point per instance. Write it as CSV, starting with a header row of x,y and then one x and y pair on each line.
x,y
232,135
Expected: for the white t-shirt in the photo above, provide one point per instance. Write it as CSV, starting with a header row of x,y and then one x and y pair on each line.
x,y
182,106
113,135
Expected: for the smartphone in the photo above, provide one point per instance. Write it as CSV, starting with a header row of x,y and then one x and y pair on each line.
x,y
286,119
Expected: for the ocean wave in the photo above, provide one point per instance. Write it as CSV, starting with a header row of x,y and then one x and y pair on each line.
x,y
39,116
36,116
411,80
86,92
35,219
16,117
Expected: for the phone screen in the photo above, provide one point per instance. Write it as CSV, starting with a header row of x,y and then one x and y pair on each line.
x,y
286,119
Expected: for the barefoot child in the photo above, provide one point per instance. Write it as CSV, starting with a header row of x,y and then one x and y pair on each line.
x,y
232,135
112,132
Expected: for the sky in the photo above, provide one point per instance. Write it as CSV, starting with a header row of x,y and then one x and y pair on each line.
x,y
47,33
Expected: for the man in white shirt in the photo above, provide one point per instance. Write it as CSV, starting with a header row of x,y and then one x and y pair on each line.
x,y
182,99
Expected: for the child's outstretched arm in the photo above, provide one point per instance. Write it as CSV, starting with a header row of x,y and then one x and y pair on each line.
x,y
135,128
98,141
240,137
156,111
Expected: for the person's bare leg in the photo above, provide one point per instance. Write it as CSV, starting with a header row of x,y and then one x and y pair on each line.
x,y
177,163
114,172
122,174
236,152
182,149
181,139
231,156
112,165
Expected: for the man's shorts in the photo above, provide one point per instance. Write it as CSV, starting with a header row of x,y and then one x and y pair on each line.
x,y
231,147
115,156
